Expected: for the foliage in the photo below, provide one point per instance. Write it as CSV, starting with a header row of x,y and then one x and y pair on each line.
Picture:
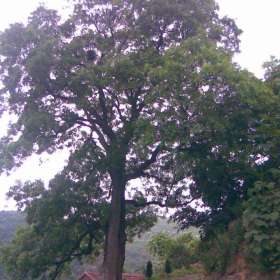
x,y
167,267
137,252
180,251
261,221
149,269
272,74
217,251
260,218
64,224
231,147
160,245
161,102
225,153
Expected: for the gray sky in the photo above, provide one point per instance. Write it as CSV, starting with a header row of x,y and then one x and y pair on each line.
x,y
258,19
260,23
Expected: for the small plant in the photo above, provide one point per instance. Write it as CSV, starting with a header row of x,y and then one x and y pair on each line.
x,y
149,269
167,267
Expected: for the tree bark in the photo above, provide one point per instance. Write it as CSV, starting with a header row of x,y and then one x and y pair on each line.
x,y
114,254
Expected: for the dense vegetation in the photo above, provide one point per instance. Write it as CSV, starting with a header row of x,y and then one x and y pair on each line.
x,y
145,96
137,251
262,223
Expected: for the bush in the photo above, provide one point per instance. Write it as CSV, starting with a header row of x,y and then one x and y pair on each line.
x,y
217,251
167,267
261,221
180,256
181,251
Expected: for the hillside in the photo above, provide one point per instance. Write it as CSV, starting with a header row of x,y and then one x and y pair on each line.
x,y
9,221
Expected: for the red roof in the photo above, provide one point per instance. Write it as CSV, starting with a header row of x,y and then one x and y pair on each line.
x,y
97,276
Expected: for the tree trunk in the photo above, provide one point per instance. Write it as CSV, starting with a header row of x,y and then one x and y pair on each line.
x,y
114,254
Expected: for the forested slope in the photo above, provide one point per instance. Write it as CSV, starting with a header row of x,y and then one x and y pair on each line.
x,y
9,221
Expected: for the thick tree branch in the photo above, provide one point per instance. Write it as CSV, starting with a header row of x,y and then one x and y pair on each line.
x,y
129,124
139,171
94,126
166,204
117,105
101,121
101,137
102,101
72,255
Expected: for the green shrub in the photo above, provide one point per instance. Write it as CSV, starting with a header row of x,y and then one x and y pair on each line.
x,y
261,221
160,245
217,251
181,251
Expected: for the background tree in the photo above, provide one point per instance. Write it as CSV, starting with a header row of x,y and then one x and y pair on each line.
x,y
232,177
180,251
130,113
149,269
261,209
227,155
160,245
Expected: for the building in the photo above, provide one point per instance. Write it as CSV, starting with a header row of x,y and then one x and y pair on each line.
x,y
97,276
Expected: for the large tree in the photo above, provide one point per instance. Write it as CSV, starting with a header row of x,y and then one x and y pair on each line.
x,y
128,86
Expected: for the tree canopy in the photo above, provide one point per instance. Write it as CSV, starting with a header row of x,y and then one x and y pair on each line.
x,y
135,90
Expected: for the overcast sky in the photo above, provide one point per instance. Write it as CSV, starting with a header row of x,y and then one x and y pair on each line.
x,y
258,19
